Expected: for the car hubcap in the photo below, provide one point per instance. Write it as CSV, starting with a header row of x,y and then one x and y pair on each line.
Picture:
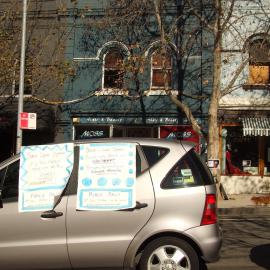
x,y
168,258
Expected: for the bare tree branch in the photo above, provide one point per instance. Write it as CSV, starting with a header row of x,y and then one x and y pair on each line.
x,y
229,88
202,19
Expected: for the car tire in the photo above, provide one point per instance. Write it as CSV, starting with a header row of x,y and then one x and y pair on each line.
x,y
169,253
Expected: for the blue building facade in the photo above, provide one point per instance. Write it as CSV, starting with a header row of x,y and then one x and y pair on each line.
x,y
118,87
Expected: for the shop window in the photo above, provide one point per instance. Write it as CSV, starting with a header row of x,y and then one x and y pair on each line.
x,y
113,70
240,154
267,156
259,62
161,70
142,131
118,131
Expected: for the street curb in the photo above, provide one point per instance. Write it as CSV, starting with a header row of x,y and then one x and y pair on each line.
x,y
258,210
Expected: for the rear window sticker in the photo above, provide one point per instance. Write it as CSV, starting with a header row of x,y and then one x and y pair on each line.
x,y
186,172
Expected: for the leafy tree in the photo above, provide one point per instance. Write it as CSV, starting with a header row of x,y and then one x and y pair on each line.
x,y
46,68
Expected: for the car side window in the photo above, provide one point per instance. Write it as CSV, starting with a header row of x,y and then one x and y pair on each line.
x,y
2,175
11,181
138,164
154,154
141,163
185,173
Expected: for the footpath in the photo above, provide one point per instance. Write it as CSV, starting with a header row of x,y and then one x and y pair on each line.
x,y
246,234
242,205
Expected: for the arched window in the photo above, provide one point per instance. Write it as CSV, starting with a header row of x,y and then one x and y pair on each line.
x,y
259,61
159,65
113,69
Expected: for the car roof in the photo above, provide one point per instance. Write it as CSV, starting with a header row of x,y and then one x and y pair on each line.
x,y
156,142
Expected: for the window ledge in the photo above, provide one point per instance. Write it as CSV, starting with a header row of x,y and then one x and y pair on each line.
x,y
15,96
256,86
159,92
112,92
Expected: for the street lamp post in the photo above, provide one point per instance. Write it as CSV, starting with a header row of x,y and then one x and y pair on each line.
x,y
21,85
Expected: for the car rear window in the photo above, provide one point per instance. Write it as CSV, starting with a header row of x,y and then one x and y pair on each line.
x,y
154,154
189,171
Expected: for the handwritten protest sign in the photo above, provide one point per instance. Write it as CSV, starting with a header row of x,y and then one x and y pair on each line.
x,y
107,176
44,173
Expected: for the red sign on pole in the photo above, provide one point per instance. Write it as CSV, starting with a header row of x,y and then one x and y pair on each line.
x,y
184,133
28,120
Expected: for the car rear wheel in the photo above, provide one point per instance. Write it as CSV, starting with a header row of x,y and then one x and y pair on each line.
x,y
169,253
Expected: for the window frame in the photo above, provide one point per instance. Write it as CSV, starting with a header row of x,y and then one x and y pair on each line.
x,y
255,65
111,90
170,81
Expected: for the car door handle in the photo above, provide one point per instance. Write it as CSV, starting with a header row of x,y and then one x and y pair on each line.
x,y
138,206
51,214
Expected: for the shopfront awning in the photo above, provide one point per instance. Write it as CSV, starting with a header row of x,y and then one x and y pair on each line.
x,y
256,126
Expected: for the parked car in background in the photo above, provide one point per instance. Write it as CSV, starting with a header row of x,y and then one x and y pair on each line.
x,y
173,225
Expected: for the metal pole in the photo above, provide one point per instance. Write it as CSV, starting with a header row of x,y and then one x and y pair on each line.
x,y
21,85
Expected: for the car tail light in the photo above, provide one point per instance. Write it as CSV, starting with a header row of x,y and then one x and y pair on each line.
x,y
210,210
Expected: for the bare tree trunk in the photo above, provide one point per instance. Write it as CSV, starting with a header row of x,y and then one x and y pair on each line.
x,y
213,130
213,136
176,100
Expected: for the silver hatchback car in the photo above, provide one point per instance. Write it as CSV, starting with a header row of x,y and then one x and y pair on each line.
x,y
173,225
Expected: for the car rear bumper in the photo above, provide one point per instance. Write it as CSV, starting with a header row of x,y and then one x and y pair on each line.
x,y
209,240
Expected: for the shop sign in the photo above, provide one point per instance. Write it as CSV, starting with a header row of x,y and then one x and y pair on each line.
x,y
184,133
28,120
91,132
161,120
129,120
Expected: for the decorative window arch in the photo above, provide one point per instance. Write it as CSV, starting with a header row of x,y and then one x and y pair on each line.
x,y
258,47
113,69
161,69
